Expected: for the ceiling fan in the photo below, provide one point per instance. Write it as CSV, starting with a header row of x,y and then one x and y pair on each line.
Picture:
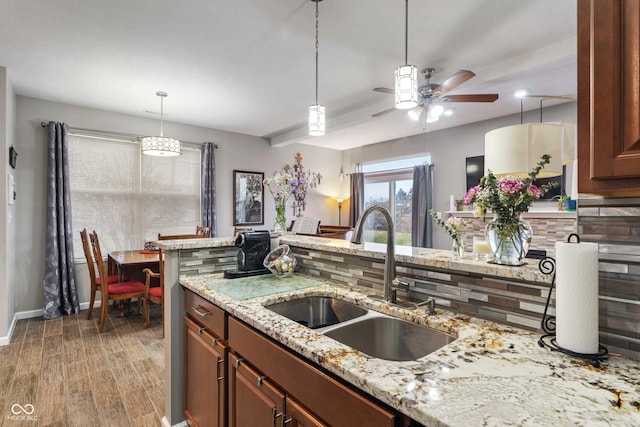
x,y
432,96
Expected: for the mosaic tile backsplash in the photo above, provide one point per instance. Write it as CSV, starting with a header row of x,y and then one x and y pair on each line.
x,y
613,223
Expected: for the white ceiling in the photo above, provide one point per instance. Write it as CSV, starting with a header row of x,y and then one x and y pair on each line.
x,y
248,65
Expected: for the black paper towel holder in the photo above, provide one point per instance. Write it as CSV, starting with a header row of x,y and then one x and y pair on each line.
x,y
547,265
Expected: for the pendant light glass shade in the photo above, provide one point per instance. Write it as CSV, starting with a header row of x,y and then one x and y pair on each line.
x,y
406,87
161,145
316,120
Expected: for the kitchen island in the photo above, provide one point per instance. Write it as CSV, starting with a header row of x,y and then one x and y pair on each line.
x,y
491,374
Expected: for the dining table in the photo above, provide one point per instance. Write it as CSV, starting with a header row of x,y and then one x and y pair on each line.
x,y
132,262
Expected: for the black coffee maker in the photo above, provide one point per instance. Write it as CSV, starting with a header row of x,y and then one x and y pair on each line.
x,y
254,247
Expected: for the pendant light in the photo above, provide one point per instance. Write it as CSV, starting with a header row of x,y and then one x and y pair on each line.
x,y
316,111
161,145
406,75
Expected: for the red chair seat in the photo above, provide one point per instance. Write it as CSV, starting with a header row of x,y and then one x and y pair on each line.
x,y
155,292
110,280
126,287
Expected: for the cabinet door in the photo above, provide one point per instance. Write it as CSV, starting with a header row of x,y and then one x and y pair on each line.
x,y
253,400
205,384
609,97
298,416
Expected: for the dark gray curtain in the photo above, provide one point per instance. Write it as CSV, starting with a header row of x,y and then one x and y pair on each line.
x,y
60,293
421,225
357,197
208,187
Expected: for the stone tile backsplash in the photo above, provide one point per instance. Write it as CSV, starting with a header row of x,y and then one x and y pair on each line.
x,y
613,223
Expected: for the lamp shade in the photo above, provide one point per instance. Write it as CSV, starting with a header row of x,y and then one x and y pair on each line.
x,y
160,146
516,150
406,87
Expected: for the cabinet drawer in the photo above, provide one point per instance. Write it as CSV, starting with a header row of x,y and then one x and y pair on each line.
x,y
332,401
205,313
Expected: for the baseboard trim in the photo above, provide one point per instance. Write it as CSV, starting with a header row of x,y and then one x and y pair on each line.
x,y
166,423
30,314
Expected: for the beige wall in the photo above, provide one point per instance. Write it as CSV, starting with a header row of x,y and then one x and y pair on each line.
x,y
449,149
8,212
237,151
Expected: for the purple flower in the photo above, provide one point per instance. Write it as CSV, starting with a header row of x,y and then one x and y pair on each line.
x,y
302,181
534,191
293,183
468,198
510,186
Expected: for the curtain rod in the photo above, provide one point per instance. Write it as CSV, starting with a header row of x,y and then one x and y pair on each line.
x,y
126,136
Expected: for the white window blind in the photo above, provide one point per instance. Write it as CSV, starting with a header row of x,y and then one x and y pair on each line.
x,y
129,198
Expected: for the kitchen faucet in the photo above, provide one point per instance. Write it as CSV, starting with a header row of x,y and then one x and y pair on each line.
x,y
390,259
391,283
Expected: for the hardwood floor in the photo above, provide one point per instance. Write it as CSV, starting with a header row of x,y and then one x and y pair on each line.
x,y
75,376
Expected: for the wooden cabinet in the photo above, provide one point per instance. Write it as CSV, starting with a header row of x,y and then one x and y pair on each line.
x,y
269,406
205,364
237,376
609,97
331,401
298,416
253,400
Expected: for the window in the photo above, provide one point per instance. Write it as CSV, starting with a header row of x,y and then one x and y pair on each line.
x,y
129,198
389,184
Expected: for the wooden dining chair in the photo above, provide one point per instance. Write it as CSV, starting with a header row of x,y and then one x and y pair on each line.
x,y
204,231
117,291
94,280
154,294
180,236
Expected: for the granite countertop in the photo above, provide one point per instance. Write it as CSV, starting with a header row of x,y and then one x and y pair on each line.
x,y
435,258
491,375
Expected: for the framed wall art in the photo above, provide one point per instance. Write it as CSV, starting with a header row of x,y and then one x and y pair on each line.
x,y
248,198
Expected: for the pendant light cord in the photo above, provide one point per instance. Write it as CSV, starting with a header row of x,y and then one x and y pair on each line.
x,y
161,115
317,44
406,32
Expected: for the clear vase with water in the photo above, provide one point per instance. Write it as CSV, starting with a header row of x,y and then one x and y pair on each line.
x,y
508,239
280,220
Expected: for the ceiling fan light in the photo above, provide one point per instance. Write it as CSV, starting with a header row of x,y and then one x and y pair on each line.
x,y
415,113
316,120
431,119
406,77
436,111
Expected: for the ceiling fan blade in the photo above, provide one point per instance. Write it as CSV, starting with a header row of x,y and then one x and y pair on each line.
x,y
486,97
454,81
383,90
382,113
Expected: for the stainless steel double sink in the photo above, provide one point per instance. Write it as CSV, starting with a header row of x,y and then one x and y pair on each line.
x,y
368,331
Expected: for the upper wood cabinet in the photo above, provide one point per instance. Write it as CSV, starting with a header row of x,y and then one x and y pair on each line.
x,y
609,97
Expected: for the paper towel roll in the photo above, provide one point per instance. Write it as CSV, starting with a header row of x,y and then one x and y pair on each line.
x,y
577,296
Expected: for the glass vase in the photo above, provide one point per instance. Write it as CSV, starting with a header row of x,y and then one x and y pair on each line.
x,y
457,249
508,239
280,220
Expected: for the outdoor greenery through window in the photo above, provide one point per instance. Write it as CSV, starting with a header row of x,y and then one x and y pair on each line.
x,y
390,184
128,198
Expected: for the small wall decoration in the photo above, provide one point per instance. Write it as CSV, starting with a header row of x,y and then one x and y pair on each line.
x,y
301,180
13,155
248,197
